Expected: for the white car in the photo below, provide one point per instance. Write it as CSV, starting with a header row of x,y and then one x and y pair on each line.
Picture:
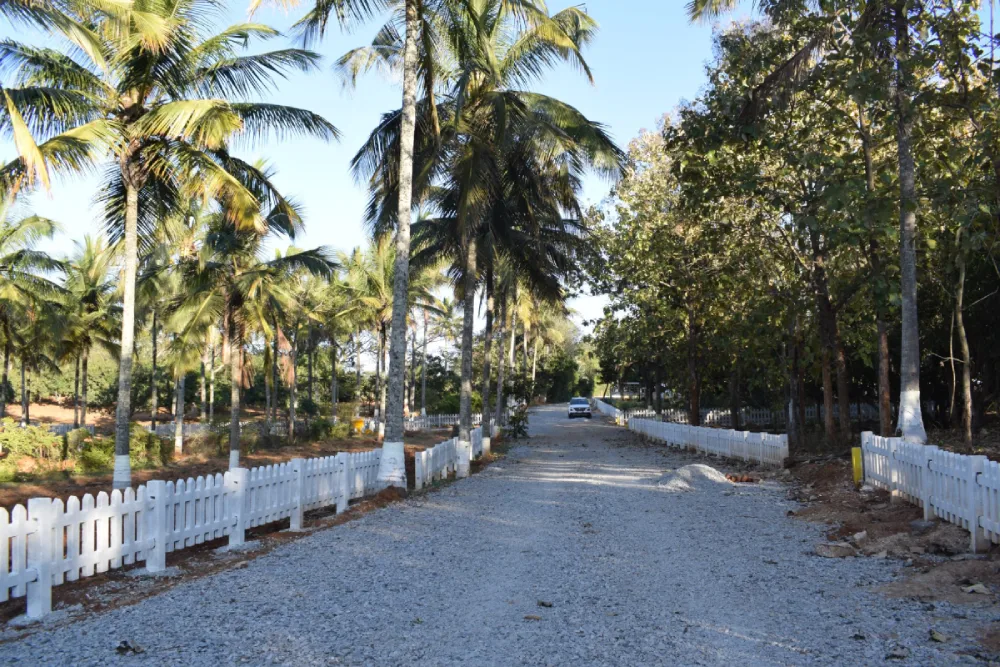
x,y
579,407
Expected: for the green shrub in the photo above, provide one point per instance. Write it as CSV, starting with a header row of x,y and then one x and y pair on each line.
x,y
340,431
32,441
93,460
517,424
320,429
308,407
145,451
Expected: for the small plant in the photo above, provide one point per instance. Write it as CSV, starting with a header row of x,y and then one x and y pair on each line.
x,y
517,424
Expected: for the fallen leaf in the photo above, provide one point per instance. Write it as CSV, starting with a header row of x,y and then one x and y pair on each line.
x,y
900,653
532,617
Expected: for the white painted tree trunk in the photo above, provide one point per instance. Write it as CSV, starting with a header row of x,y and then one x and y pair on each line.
x,y
179,417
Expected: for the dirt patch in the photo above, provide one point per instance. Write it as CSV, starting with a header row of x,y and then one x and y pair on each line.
x,y
948,582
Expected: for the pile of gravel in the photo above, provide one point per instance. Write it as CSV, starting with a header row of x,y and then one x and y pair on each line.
x,y
693,477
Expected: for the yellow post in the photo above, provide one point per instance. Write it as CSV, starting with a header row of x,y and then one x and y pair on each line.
x,y
859,468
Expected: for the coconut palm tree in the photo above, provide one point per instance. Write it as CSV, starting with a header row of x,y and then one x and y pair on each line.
x,y
497,48
23,279
166,97
231,281
92,312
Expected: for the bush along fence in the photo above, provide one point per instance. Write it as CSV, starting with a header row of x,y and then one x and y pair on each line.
x,y
958,488
764,448
49,542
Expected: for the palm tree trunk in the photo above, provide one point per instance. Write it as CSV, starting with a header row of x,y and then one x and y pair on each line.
x,y
293,393
123,414
179,415
24,396
951,364
236,377
274,375
6,371
357,373
487,352
309,363
465,395
334,399
392,469
423,371
963,346
534,363
268,389
498,407
211,387
411,392
384,386
154,394
911,423
513,336
203,386
83,386
76,394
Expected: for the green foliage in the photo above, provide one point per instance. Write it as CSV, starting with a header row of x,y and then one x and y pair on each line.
x,y
32,441
517,424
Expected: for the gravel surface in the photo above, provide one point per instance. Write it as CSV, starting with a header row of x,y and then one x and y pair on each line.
x,y
573,551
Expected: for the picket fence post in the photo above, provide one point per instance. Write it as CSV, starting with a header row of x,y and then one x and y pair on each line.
x,y
236,492
298,512
418,470
156,523
344,495
973,504
41,511
927,482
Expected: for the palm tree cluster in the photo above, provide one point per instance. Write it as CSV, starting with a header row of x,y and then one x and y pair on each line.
x,y
155,97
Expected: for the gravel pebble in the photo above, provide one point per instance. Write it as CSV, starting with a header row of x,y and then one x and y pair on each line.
x,y
630,573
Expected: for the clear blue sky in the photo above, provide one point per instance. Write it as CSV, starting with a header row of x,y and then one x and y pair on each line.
x,y
647,58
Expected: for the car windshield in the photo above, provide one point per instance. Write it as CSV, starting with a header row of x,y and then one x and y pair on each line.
x,y
578,401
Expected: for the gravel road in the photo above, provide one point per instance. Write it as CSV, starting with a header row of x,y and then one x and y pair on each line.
x,y
572,551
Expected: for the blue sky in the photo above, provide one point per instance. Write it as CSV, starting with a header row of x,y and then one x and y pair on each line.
x,y
646,59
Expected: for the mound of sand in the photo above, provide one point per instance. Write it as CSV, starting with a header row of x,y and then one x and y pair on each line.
x,y
694,477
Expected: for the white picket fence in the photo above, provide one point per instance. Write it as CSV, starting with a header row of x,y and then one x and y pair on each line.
x,y
958,488
764,448
49,542
748,415
435,463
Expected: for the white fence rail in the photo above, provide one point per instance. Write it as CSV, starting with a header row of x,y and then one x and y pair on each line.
x,y
748,416
49,542
435,463
765,448
960,489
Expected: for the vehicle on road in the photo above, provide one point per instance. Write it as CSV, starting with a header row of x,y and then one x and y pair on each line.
x,y
579,407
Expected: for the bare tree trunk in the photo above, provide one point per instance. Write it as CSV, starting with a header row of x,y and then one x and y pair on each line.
x,y
828,423
83,386
487,360
357,371
884,402
465,395
382,382
153,393
273,370
123,415
734,398
911,423
268,388
951,363
694,373
76,394
411,392
309,363
963,346
236,378
392,468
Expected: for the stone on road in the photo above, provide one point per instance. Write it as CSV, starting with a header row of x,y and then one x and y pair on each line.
x,y
583,547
